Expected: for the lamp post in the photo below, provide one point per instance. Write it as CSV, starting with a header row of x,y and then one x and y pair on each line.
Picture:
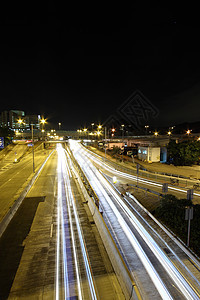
x,y
105,143
33,148
59,125
43,122
122,140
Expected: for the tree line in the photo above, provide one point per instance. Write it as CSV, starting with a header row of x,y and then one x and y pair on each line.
x,y
186,153
171,212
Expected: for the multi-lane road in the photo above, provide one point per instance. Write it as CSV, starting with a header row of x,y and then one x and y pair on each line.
x,y
63,256
161,269
59,251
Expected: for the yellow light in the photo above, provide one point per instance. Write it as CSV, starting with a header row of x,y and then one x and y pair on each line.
x,y
20,121
99,126
169,133
113,129
156,133
43,121
188,131
98,132
114,179
85,129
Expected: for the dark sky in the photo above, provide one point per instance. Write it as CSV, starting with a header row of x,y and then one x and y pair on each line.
x,y
76,64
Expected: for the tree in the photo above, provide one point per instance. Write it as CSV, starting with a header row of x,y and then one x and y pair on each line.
x,y
172,213
185,153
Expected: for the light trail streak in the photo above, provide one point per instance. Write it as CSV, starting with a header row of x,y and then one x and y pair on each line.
x,y
99,160
66,173
81,239
180,281
61,168
161,256
143,257
60,223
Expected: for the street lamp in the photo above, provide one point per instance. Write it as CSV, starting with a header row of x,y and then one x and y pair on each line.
x,y
146,127
113,132
188,132
99,126
122,139
43,122
156,133
59,125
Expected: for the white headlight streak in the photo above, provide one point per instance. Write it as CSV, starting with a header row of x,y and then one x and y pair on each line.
x,y
67,197
100,184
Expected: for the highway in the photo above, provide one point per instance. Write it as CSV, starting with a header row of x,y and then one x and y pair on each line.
x,y
15,176
157,266
66,215
63,255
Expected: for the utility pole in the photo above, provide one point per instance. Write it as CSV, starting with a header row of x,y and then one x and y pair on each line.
x,y
189,217
105,144
189,213
33,148
122,141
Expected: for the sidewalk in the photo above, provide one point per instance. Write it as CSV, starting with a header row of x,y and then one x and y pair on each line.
x,y
186,171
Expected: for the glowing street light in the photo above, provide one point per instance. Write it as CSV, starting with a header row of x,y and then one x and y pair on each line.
x,y
188,132
20,121
156,133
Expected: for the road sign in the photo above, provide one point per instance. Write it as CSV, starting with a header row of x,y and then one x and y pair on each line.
x,y
1,142
188,216
189,213
165,187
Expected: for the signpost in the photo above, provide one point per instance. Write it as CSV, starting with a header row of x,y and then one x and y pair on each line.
x,y
165,188
188,216
138,167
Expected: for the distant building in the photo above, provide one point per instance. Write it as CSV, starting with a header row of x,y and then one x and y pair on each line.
x,y
14,116
32,120
11,119
4,119
150,154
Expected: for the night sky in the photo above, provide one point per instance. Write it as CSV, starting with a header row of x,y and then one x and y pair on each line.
x,y
77,64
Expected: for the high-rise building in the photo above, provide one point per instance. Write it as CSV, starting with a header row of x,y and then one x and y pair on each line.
x,y
32,120
14,117
16,120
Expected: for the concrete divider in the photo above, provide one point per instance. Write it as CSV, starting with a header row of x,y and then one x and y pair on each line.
x,y
124,276
8,217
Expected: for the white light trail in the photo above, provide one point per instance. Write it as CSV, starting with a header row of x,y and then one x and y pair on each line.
x,y
60,224
70,201
98,159
176,276
143,257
